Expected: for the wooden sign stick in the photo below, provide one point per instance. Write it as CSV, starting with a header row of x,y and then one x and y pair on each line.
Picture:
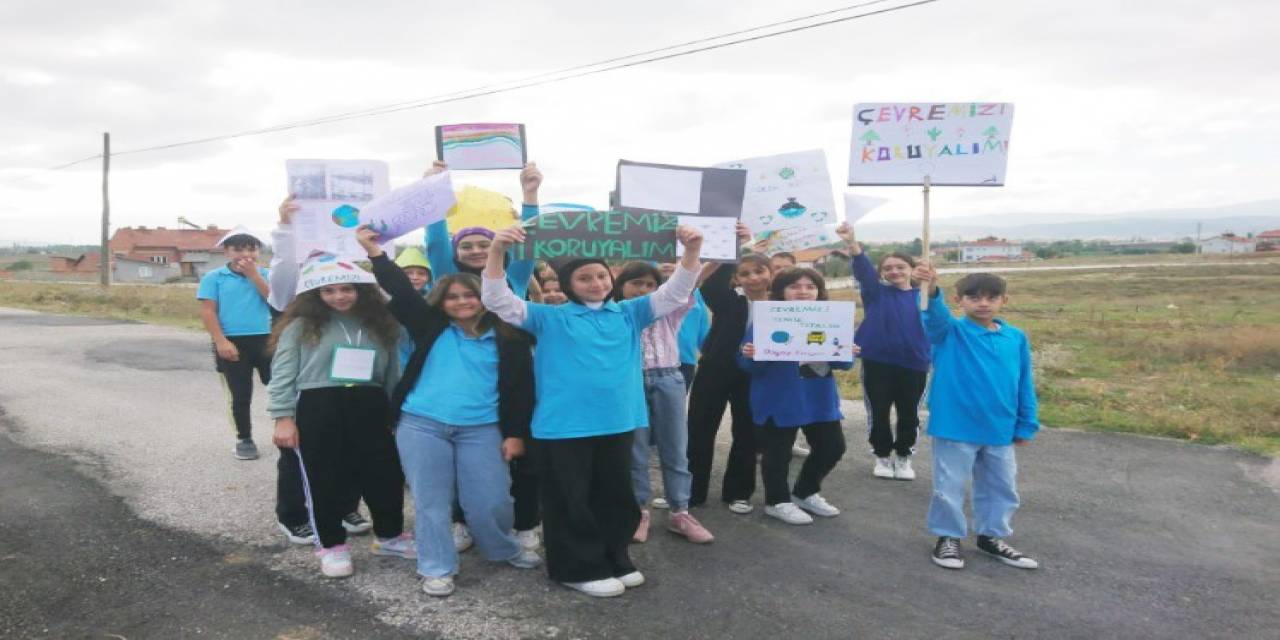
x,y
924,244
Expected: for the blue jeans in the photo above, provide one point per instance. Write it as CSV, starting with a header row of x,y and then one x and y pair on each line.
x,y
668,430
438,457
995,496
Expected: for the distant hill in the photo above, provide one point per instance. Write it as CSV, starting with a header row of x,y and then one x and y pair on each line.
x,y
1154,224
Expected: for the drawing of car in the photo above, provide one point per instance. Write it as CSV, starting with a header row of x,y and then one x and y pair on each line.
x,y
816,337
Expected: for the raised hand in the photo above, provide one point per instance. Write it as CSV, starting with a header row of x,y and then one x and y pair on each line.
x,y
504,238
749,351
530,182
845,231
287,208
368,239
436,167
690,237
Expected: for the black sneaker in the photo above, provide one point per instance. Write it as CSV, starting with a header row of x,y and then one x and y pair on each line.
x,y
355,523
946,553
301,534
1004,553
246,450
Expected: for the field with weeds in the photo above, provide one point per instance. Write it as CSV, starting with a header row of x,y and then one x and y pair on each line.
x,y
1185,352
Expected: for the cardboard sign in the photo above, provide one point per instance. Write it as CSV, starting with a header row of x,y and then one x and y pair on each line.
x,y
482,145
709,199
787,191
608,235
961,143
803,331
409,208
330,194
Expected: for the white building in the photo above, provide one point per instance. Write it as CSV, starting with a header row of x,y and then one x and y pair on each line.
x,y
1228,244
990,249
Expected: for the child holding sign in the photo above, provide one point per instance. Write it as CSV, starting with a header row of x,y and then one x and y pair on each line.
x,y
895,355
787,397
590,399
335,361
982,404
462,410
664,395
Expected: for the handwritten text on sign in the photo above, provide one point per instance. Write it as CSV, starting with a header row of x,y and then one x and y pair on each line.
x,y
608,235
965,143
809,331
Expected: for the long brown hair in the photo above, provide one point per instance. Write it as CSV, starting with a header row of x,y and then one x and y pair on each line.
x,y
790,276
487,320
309,309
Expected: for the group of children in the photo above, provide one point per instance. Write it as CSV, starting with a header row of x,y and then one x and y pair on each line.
x,y
508,395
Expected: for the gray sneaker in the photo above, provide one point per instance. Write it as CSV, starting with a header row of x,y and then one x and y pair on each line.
x,y
246,450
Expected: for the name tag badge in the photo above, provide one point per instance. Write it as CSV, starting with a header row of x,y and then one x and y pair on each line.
x,y
352,364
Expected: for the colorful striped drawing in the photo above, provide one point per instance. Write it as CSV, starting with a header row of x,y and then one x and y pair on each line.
x,y
481,145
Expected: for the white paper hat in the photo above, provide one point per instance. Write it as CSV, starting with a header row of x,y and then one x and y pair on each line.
x,y
322,269
240,230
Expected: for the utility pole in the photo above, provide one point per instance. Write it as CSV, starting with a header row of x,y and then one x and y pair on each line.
x,y
1198,225
105,266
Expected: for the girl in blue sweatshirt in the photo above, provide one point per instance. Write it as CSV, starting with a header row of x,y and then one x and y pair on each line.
x,y
895,355
787,397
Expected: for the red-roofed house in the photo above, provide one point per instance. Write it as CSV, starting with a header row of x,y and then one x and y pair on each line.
x,y
1268,236
192,250
990,249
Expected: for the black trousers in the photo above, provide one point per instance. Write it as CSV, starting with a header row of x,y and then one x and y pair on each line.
x,y
588,509
885,386
345,444
715,385
239,377
826,442
291,498
524,491
687,372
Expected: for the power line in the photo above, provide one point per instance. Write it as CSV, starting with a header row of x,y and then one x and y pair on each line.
x,y
574,72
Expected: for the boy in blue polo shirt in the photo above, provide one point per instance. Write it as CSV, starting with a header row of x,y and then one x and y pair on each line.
x,y
981,404
234,310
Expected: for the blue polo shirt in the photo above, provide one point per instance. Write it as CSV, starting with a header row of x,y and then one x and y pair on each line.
x,y
459,381
982,390
588,367
694,330
242,310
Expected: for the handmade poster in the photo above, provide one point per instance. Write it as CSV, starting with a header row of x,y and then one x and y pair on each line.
x,y
787,191
478,207
482,145
704,197
410,207
801,331
608,235
959,143
856,207
792,240
330,194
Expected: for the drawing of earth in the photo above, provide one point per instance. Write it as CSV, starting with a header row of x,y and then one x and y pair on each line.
x,y
780,337
791,209
346,216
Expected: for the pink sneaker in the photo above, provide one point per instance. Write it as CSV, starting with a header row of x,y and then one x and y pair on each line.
x,y
685,524
642,530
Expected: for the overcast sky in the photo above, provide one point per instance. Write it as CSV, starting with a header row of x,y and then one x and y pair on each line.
x,y
1120,105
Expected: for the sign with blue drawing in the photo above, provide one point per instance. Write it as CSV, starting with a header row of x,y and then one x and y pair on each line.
x,y
787,191
803,331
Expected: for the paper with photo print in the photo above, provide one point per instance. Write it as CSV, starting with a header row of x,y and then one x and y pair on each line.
x,y
330,195
787,191
802,331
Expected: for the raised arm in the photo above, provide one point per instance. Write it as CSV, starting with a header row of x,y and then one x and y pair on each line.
x,y
937,318
863,271
283,278
494,292
519,271
406,303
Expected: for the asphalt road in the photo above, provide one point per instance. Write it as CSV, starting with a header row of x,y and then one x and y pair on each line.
x,y
123,514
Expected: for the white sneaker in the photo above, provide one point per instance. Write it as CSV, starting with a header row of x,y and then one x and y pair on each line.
x,y
659,503
741,507
902,469
817,505
606,588
528,539
526,559
884,468
632,580
799,451
462,539
788,513
335,562
438,587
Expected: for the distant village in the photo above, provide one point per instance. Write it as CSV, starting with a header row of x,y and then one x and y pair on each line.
x,y
160,255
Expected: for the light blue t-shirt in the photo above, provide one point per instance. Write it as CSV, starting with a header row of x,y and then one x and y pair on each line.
x,y
242,310
591,360
694,330
459,381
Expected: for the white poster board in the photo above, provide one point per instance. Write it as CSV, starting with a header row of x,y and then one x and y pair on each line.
x,y
786,191
956,143
792,240
708,199
330,194
803,331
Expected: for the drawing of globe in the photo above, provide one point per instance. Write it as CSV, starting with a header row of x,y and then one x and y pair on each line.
x,y
780,337
346,216
791,209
